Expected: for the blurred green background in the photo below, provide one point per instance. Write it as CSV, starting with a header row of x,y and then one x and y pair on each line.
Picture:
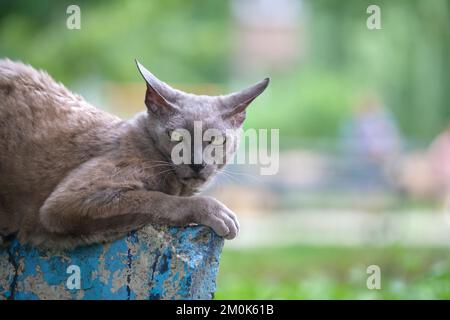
x,y
324,63
193,41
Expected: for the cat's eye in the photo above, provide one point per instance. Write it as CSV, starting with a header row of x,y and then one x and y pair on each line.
x,y
175,136
217,140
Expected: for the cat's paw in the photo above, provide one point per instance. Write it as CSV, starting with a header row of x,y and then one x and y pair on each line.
x,y
212,213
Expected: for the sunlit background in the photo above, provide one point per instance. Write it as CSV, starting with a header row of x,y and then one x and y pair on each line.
x,y
364,120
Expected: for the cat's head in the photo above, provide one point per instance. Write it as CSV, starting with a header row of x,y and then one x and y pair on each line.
x,y
197,134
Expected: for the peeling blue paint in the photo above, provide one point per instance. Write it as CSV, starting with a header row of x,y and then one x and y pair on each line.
x,y
153,263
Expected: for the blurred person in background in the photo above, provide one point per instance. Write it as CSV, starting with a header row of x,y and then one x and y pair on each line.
x,y
372,141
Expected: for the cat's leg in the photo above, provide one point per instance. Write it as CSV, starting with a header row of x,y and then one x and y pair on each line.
x,y
91,203
69,215
80,215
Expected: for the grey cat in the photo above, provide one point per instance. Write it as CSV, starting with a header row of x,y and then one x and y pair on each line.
x,y
71,174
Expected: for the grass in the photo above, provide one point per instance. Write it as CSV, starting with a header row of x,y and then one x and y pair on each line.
x,y
303,272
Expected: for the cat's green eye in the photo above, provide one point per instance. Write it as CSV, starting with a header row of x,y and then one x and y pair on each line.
x,y
175,136
217,140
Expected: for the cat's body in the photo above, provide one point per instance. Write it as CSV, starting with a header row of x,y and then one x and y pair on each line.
x,y
72,174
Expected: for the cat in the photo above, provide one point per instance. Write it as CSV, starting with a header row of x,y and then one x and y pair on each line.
x,y
72,174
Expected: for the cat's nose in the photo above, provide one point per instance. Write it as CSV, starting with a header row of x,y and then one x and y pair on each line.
x,y
197,167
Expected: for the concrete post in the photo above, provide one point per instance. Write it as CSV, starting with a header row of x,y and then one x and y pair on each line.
x,y
153,263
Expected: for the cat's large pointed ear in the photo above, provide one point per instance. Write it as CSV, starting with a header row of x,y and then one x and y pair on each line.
x,y
159,97
236,103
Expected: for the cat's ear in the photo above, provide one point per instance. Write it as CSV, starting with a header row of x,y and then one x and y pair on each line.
x,y
235,104
160,97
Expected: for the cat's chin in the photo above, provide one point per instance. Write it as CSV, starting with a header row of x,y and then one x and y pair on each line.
x,y
193,182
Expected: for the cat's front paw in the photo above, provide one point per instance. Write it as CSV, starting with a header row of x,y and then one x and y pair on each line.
x,y
212,213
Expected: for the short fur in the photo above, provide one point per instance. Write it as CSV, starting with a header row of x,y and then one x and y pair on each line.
x,y
71,174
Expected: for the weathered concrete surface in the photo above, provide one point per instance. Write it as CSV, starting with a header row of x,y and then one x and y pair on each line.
x,y
153,263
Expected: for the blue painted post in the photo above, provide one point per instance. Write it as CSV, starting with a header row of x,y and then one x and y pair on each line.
x,y
153,263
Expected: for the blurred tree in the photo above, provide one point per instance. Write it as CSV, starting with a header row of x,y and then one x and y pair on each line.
x,y
407,61
184,40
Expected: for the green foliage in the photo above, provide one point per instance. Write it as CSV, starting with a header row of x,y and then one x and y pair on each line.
x,y
185,41
310,105
333,273
407,62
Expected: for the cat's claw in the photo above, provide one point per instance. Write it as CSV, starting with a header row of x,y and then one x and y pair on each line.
x,y
216,215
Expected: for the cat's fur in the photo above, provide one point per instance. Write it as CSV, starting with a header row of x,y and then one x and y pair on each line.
x,y
71,174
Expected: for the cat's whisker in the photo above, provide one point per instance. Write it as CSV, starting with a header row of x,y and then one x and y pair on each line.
x,y
230,177
156,166
156,161
243,174
117,172
159,173
222,174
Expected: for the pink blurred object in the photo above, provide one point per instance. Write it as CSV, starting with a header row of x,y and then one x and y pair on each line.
x,y
439,155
